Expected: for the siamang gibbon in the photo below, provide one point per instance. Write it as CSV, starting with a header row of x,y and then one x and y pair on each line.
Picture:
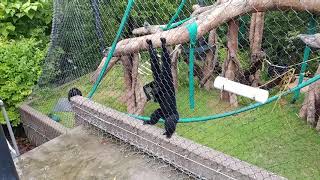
x,y
74,92
162,90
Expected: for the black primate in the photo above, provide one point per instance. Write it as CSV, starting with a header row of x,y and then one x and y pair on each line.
x,y
74,92
164,90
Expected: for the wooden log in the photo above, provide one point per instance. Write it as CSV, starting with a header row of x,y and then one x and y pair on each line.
x,y
257,32
211,19
310,110
303,111
198,10
134,96
128,97
140,99
210,63
147,29
232,64
252,77
152,29
174,65
134,72
210,74
252,28
96,74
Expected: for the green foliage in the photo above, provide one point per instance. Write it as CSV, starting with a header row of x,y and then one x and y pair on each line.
x,y
69,59
21,17
153,12
280,31
20,69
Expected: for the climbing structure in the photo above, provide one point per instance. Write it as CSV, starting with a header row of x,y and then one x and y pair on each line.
x,y
100,47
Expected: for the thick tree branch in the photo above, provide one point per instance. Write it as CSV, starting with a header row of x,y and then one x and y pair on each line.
x,y
96,74
213,18
147,29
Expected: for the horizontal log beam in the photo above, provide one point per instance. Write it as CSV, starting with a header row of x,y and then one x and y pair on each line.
x,y
147,29
213,18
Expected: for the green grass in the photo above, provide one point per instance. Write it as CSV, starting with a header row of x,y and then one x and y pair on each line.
x,y
272,137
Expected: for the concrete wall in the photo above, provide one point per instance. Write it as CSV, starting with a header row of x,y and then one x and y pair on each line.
x,y
38,127
178,151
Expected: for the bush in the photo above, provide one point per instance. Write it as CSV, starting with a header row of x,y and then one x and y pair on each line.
x,y
21,17
19,71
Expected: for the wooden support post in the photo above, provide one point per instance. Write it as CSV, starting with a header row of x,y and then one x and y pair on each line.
x,y
134,96
211,61
310,110
231,64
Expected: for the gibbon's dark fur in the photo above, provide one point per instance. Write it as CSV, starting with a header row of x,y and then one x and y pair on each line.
x,y
165,92
74,92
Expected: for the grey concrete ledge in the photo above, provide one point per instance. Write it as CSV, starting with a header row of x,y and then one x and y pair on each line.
x,y
39,128
185,154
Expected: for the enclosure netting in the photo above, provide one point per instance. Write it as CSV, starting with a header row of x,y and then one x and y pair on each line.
x,y
256,49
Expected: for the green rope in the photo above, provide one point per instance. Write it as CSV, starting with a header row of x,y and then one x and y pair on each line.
x,y
306,56
193,31
174,25
175,16
113,47
241,110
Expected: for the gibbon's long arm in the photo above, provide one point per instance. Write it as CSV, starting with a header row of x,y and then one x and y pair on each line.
x,y
155,67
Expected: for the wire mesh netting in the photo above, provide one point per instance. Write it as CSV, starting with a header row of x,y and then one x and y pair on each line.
x,y
173,78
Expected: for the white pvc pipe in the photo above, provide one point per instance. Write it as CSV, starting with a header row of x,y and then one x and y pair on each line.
x,y
259,95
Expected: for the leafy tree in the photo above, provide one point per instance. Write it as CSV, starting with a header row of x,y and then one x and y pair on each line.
x,y
19,71
22,17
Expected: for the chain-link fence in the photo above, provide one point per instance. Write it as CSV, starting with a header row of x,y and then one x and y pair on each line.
x,y
251,42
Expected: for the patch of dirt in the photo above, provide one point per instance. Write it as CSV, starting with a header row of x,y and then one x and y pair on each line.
x,y
24,145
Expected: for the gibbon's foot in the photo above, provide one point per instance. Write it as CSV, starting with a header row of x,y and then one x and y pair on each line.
x,y
149,42
168,135
163,40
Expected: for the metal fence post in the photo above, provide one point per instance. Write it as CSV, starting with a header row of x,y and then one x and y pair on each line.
x,y
6,117
7,168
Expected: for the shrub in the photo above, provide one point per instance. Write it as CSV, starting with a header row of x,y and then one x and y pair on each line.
x,y
21,17
20,69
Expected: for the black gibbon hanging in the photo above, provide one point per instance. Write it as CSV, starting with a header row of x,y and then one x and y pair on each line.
x,y
162,90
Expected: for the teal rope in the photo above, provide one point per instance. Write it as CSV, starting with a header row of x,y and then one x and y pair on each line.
x,y
174,25
306,55
113,47
241,110
193,31
176,15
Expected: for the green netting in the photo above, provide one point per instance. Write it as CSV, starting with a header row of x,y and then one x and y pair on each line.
x,y
272,136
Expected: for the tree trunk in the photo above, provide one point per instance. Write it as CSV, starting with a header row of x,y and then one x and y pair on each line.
x,y
210,63
257,31
256,35
231,64
134,96
128,96
140,98
310,110
96,74
174,66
